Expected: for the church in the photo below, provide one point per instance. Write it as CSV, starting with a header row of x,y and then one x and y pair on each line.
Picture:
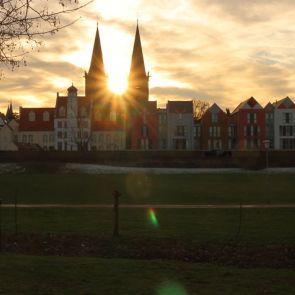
x,y
99,120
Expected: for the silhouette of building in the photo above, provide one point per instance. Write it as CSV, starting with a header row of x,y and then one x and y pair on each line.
x,y
141,120
101,120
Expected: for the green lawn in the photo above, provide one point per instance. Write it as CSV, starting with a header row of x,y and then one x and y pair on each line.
x,y
62,275
259,226
149,188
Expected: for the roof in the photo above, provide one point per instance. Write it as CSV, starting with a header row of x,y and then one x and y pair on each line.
x,y
250,103
97,65
137,62
72,89
269,107
180,106
2,119
285,103
215,109
62,101
38,124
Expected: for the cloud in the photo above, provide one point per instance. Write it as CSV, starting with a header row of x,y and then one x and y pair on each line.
x,y
220,51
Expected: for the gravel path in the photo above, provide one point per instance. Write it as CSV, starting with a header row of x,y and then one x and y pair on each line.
x,y
164,206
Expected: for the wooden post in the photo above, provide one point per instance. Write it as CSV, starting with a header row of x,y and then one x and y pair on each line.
x,y
15,212
116,196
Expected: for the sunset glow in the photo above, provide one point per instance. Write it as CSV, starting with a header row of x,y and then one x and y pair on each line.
x,y
218,51
117,83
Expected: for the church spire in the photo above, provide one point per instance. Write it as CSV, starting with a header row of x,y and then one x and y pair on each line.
x,y
138,79
96,79
9,112
97,65
137,69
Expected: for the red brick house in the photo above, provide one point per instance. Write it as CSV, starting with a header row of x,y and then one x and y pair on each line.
x,y
249,121
214,129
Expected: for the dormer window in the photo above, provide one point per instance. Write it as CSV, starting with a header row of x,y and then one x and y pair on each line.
x,y
62,112
32,116
46,116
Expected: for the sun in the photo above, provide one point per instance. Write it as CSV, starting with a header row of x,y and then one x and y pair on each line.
x,y
117,83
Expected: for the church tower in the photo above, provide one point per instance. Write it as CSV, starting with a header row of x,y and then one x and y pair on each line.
x,y
96,78
138,83
141,124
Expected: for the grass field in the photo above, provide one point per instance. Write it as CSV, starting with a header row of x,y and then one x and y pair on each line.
x,y
61,275
258,226
149,188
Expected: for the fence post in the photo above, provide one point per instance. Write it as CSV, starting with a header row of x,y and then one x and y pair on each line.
x,y
15,212
116,196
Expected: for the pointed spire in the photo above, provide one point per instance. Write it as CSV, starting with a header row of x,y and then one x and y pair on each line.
x,y
137,62
9,112
97,65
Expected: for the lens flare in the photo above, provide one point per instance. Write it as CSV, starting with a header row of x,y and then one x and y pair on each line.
x,y
153,217
171,288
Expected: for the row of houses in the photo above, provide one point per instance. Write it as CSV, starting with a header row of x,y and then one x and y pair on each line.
x,y
69,127
100,120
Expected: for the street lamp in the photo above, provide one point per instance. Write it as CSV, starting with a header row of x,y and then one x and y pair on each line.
x,y
266,146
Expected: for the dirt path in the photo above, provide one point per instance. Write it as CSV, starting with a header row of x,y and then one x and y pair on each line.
x,y
160,206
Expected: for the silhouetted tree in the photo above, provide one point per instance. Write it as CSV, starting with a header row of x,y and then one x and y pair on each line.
x,y
200,107
23,22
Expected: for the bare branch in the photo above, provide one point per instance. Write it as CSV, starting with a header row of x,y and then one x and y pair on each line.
x,y
22,23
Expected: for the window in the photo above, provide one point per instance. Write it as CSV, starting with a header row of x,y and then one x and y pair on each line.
x,y
197,130
46,116
251,118
30,138
287,118
62,112
24,138
179,131
51,138
59,134
59,124
32,116
214,118
231,131
59,146
144,131
269,116
180,116
45,138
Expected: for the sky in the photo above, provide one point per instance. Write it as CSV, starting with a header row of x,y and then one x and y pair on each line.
x,y
222,51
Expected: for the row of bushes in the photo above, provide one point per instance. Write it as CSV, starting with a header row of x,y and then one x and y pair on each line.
x,y
233,159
